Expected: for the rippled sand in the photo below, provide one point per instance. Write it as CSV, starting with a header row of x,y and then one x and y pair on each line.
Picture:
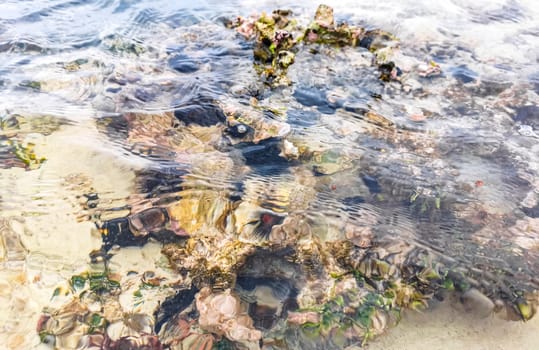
x,y
444,326
52,227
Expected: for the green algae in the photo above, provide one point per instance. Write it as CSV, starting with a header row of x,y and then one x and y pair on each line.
x,y
26,154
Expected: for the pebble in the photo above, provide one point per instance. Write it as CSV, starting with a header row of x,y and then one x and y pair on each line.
x,y
477,303
183,64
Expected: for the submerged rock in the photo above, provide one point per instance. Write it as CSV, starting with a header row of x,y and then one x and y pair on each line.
x,y
202,112
278,239
222,314
278,38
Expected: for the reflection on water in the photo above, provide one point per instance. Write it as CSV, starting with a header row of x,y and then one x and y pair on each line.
x,y
171,182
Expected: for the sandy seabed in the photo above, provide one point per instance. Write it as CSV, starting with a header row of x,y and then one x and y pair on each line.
x,y
26,289
444,326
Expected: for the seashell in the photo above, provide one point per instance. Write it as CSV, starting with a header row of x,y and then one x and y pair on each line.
x,y
216,308
289,150
378,119
509,313
254,223
240,131
225,304
266,234
176,329
331,161
48,339
42,323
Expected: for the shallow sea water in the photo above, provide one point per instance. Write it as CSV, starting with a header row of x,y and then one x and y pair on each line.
x,y
447,163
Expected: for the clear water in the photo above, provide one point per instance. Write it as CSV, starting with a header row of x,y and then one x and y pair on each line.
x,y
452,167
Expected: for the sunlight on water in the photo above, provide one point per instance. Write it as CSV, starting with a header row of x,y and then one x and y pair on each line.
x,y
184,175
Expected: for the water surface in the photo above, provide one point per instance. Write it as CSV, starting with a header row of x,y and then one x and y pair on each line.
x,y
446,162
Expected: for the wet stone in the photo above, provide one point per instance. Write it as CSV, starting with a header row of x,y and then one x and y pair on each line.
x,y
118,80
203,113
464,74
477,303
327,108
183,64
157,182
388,71
314,97
356,108
528,115
118,232
283,232
149,220
491,87
144,95
114,90
532,212
266,222
372,184
173,306
115,126
351,201
302,118
534,79
310,97
366,42
264,154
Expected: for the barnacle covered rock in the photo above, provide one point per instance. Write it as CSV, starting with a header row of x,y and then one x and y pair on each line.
x,y
278,39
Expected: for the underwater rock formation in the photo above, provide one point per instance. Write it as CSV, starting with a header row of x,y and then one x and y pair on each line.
x,y
272,238
278,37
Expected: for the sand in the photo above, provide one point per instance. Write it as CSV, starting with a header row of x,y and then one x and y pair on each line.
x,y
444,326
59,242
43,207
